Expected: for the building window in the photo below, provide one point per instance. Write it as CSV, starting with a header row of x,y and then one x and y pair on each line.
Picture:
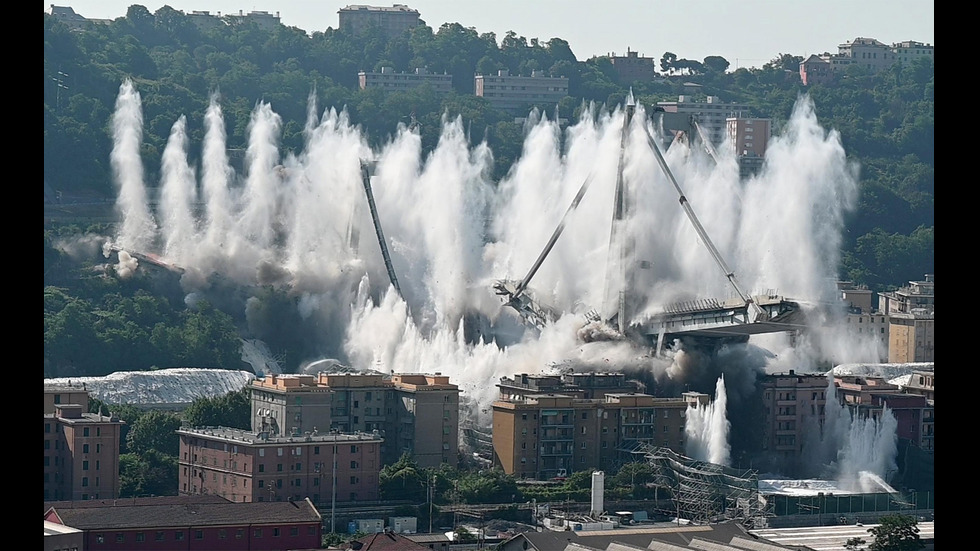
x,y
353,464
84,465
84,481
257,533
199,534
240,533
120,537
85,431
222,534
140,536
84,448
261,468
178,535
294,531
275,532
159,536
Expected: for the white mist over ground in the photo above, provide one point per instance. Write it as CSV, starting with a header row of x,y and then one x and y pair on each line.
x,y
301,223
850,448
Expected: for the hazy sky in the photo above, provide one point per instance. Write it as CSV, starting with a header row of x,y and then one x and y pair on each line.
x,y
747,33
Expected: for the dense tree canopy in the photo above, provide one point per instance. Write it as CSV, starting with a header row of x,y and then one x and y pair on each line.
x,y
896,533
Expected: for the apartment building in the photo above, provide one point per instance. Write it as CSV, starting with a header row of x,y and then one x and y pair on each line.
x,y
866,397
263,19
243,466
414,413
189,524
578,385
632,67
551,435
712,114
517,94
857,298
81,453
749,138
923,383
909,50
819,69
426,409
390,81
872,325
792,404
392,21
915,295
867,52
912,337
57,395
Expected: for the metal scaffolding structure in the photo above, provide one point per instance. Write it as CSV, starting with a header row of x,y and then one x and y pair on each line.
x,y
706,492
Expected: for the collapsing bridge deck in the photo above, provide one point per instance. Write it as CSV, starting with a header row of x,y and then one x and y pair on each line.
x,y
727,321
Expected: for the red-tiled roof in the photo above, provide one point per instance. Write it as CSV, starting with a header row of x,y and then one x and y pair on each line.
x,y
385,541
186,514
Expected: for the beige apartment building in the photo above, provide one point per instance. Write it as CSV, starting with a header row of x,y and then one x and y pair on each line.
x,y
912,337
81,453
246,466
414,413
552,435
392,20
517,94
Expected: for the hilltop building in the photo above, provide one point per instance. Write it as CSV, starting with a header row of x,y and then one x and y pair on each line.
x,y
414,413
632,67
263,19
392,21
390,81
868,53
248,467
517,94
81,450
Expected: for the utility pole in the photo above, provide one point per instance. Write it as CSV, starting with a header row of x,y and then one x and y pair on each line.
x,y
333,494
432,482
60,83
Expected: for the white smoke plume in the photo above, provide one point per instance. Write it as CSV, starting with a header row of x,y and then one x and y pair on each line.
x,y
706,429
301,225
